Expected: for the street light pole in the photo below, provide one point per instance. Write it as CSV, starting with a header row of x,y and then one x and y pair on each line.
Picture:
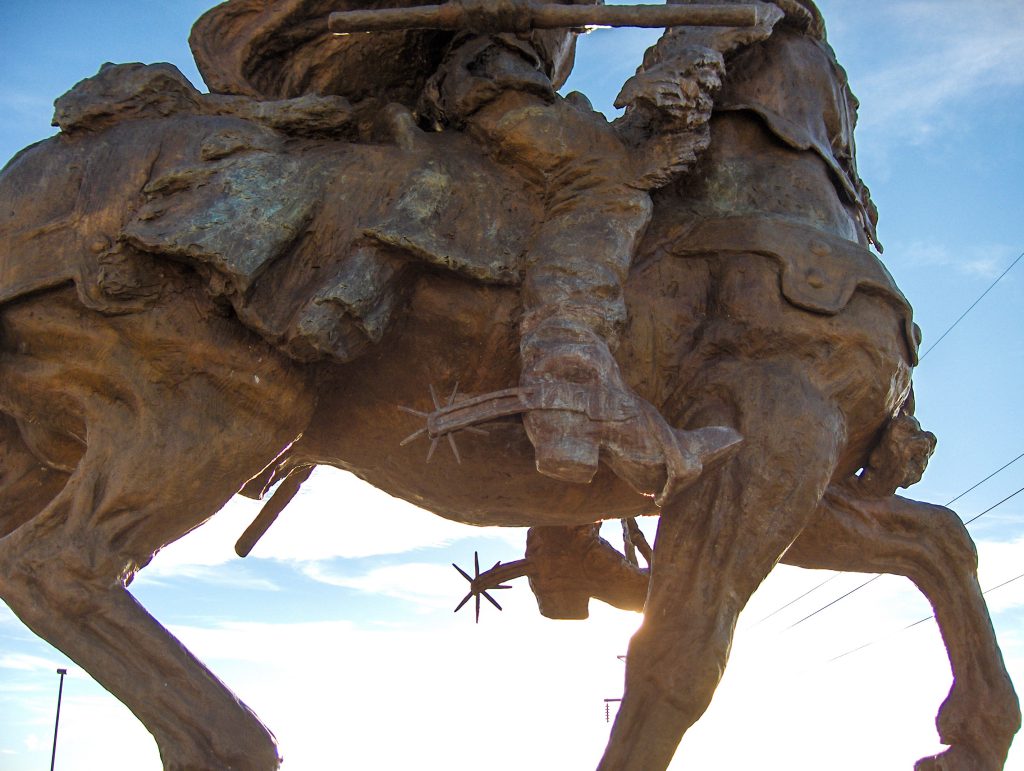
x,y
56,725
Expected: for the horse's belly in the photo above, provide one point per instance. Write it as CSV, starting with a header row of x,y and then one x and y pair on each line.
x,y
456,333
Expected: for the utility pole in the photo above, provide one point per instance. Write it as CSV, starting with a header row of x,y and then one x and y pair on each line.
x,y
56,725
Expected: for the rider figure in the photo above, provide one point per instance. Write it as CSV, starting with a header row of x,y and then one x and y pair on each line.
x,y
591,177
500,89
594,179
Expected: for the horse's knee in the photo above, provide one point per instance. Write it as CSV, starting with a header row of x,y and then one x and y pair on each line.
x,y
680,670
945,531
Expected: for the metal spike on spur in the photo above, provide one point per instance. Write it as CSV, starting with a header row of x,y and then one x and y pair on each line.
x,y
439,409
474,586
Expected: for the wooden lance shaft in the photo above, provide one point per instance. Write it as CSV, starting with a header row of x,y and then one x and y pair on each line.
x,y
534,15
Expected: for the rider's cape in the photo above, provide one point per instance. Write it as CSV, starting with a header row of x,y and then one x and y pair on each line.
x,y
282,49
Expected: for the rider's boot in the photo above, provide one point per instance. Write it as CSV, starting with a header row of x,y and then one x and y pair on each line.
x,y
574,364
582,410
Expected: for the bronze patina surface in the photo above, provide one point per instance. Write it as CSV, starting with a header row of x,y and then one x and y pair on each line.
x,y
676,312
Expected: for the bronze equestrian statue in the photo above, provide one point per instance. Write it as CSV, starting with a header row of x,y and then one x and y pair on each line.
x,y
675,312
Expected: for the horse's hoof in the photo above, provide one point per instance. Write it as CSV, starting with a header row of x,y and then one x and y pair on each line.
x,y
983,720
956,758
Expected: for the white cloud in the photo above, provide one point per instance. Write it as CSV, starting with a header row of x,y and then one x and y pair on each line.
x,y
209,574
334,515
955,54
986,260
263,642
999,562
466,695
455,691
25,662
428,585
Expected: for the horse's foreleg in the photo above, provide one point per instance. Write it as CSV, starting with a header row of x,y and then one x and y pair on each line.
x,y
715,544
930,546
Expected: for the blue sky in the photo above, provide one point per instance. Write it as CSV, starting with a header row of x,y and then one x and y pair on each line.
x,y
338,630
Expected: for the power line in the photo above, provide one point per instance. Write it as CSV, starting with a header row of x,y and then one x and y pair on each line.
x,y
875,578
809,591
983,481
837,599
964,314
986,511
911,626
954,500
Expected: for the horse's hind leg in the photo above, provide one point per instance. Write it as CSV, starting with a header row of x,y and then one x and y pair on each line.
x,y
167,445
27,482
930,546
59,578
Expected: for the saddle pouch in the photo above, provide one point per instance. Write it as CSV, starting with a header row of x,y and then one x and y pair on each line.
x,y
819,270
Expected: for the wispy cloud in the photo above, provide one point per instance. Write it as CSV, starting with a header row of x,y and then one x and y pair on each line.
x,y
986,260
429,586
211,574
19,106
955,54
334,515
25,662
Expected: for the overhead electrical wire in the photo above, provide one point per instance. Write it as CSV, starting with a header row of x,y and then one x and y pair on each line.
x,y
797,599
983,481
986,511
837,599
973,305
876,577
916,623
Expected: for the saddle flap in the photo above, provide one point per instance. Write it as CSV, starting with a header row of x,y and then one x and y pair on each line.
x,y
195,209
819,271
459,216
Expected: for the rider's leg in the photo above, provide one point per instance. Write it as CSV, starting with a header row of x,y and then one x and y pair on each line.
x,y
171,435
569,565
577,263
716,542
573,312
929,545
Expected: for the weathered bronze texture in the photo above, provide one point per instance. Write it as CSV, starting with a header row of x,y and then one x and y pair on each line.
x,y
524,16
676,312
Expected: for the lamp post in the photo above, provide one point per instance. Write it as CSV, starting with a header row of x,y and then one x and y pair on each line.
x,y
56,725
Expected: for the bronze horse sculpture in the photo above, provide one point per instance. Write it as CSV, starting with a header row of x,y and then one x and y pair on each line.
x,y
204,294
